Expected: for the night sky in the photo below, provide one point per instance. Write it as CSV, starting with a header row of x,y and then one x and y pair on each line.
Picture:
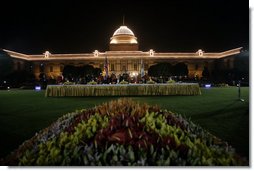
x,y
165,26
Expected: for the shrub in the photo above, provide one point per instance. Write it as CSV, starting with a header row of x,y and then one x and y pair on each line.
x,y
123,82
171,81
221,85
92,82
68,83
150,82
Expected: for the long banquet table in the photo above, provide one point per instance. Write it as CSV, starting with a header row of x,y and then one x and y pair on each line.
x,y
187,89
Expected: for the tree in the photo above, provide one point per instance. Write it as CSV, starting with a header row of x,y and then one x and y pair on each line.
x,y
6,65
69,72
205,73
73,73
241,66
161,69
180,69
18,78
238,72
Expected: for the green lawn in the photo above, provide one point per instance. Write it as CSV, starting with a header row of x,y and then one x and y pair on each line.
x,y
24,112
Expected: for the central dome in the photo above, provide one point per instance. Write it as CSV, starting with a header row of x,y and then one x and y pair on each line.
x,y
123,30
123,39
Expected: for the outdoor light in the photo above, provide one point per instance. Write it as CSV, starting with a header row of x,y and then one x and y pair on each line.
x,y
151,51
239,91
96,53
37,88
4,82
200,52
46,54
207,85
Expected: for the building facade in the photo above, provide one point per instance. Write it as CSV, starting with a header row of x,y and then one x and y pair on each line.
x,y
123,56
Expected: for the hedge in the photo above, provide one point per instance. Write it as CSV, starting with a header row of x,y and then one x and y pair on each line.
x,y
123,90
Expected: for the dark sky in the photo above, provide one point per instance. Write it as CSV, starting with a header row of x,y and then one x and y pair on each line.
x,y
83,26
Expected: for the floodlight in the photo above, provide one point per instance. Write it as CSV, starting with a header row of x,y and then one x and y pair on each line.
x,y
208,85
37,88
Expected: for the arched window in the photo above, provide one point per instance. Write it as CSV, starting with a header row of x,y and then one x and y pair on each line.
x,y
135,66
101,67
112,67
123,67
51,69
61,68
41,67
146,66
196,67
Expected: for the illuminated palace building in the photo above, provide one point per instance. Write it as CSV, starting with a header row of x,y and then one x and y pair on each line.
x,y
123,56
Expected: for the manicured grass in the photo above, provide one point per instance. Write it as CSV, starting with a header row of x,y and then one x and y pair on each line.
x,y
25,112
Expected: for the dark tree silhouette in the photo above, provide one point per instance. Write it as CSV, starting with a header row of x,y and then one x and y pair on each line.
x,y
180,69
240,70
161,69
205,73
241,66
6,65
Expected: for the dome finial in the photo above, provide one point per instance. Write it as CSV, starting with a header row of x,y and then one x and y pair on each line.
x,y
123,20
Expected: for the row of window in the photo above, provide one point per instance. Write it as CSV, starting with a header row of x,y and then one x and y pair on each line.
x,y
112,67
51,68
124,67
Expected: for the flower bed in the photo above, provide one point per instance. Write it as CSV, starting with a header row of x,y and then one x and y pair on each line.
x,y
124,133
123,90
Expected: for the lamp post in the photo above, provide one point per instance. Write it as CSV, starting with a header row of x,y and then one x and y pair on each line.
x,y
239,91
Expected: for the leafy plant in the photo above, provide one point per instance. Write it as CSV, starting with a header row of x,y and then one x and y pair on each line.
x,y
171,81
150,82
68,83
123,82
92,82
124,133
